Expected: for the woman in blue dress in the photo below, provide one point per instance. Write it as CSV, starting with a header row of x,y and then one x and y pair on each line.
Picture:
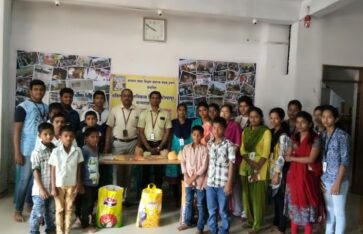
x,y
181,136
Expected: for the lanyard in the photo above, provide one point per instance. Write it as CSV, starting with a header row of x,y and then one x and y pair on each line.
x,y
42,114
152,119
128,117
327,144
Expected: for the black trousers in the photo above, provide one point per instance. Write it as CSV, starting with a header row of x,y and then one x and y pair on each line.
x,y
87,202
152,173
280,220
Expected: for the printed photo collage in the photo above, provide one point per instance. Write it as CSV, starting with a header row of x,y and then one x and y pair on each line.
x,y
84,74
214,82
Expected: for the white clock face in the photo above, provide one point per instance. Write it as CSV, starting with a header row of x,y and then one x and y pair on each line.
x,y
154,29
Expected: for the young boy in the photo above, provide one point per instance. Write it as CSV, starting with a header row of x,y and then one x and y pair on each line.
x,y
90,177
244,106
66,182
194,166
293,108
213,111
58,121
54,108
43,203
90,122
99,100
72,117
220,177
28,115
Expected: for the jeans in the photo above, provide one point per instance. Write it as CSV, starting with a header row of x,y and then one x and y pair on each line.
x,y
42,208
24,184
335,208
217,199
200,204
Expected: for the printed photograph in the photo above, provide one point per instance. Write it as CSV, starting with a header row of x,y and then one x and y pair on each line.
x,y
216,89
250,79
82,100
67,60
59,74
101,62
27,58
101,85
187,77
25,72
232,75
76,72
221,66
205,67
242,78
98,74
232,97
54,97
247,67
219,76
248,90
50,59
80,84
203,79
118,83
84,61
57,85
46,98
201,90
188,65
216,100
233,67
233,86
186,89
197,100
22,86
43,72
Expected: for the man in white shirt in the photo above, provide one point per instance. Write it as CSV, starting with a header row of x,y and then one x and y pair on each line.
x,y
122,134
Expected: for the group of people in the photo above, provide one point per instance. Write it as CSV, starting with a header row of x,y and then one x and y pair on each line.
x,y
232,165
235,166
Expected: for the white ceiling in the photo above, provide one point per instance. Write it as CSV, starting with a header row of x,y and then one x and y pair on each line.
x,y
271,11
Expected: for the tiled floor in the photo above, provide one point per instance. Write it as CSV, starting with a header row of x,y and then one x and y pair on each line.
x,y
169,220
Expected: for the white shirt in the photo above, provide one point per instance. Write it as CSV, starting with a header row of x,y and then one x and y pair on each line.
x,y
100,120
56,142
66,165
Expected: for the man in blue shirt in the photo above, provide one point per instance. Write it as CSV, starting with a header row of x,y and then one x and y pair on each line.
x,y
72,116
28,115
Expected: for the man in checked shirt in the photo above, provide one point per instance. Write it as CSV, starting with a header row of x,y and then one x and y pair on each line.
x,y
220,177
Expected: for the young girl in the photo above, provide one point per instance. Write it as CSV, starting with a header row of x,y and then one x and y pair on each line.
x,y
180,136
278,168
244,105
335,145
255,149
303,194
233,134
204,121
